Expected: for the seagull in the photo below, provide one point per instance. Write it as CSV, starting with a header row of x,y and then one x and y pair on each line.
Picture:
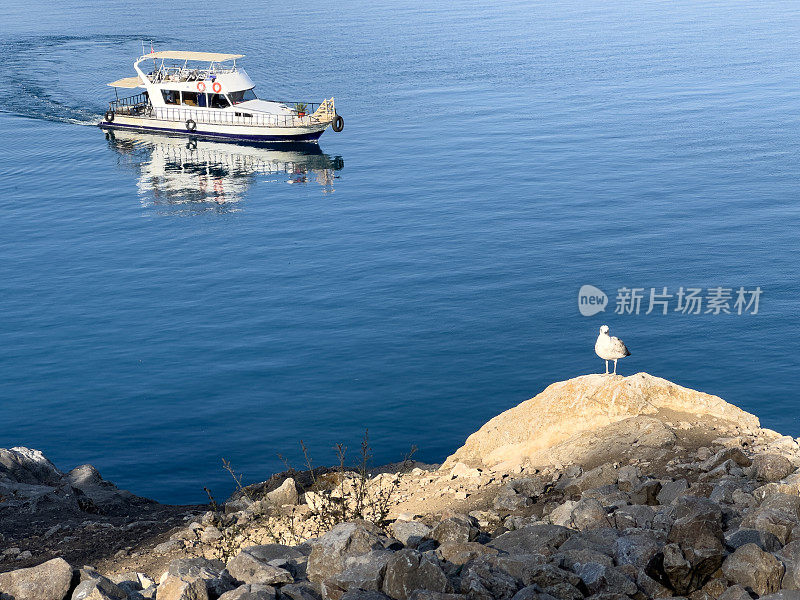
x,y
610,348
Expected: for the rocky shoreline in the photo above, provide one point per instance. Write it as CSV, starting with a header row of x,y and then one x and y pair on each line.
x,y
600,487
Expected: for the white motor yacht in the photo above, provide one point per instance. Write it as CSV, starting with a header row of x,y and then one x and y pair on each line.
x,y
205,94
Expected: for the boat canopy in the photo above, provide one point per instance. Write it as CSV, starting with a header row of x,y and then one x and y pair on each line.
x,y
188,55
127,82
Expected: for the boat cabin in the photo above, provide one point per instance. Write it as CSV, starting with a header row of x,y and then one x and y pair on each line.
x,y
196,79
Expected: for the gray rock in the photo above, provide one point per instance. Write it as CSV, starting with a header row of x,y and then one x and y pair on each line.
x,y
735,592
329,552
670,490
285,557
763,539
598,540
356,594
408,570
609,496
519,493
301,590
533,539
509,499
428,595
248,568
777,514
600,578
572,559
637,548
25,465
410,533
168,546
603,475
532,592
554,580
95,494
637,515
696,508
751,567
589,514
515,565
733,454
148,593
771,467
783,595
365,572
127,581
457,529
789,555
48,581
480,581
684,570
461,553
651,587
99,588
562,514
211,572
646,492
248,591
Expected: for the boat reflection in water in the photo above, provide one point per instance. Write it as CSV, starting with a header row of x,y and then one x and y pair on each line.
x,y
200,175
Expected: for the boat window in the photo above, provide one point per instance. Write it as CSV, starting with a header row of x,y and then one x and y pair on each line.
x,y
189,98
218,101
242,96
201,100
171,96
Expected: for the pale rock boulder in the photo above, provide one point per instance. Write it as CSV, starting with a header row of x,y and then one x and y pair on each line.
x,y
551,427
177,588
285,494
48,581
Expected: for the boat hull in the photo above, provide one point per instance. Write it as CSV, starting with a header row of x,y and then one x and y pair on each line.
x,y
218,131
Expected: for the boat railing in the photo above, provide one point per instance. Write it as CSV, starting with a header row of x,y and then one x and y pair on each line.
x,y
180,73
132,105
232,117
311,107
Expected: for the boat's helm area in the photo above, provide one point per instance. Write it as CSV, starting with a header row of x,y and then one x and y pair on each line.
x,y
182,73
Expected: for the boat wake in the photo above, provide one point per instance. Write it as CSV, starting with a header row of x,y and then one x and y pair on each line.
x,y
61,78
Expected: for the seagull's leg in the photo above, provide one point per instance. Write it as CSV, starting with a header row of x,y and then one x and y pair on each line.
x,y
615,366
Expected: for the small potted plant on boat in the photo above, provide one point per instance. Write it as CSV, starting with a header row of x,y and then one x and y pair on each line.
x,y
301,109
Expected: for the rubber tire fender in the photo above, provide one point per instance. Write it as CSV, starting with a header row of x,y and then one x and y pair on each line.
x,y
109,116
338,123
191,125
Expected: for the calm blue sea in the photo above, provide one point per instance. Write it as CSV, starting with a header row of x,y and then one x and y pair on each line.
x,y
163,307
